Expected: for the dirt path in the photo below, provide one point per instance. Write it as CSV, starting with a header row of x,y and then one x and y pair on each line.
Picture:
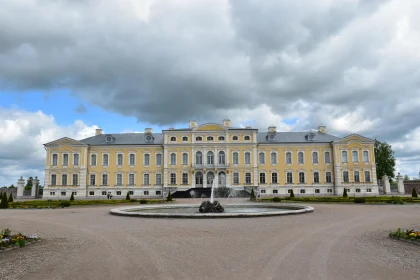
x,y
335,242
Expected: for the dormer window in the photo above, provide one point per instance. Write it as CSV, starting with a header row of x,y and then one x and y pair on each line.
x,y
198,138
221,138
108,139
149,138
247,138
235,138
209,138
173,139
310,136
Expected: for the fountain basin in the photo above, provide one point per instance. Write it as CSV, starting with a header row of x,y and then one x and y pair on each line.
x,y
231,211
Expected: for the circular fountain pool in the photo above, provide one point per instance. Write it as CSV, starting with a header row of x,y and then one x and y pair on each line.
x,y
231,211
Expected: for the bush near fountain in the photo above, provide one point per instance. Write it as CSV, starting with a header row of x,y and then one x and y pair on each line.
x,y
208,207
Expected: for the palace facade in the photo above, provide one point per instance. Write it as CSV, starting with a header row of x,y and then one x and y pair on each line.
x,y
149,164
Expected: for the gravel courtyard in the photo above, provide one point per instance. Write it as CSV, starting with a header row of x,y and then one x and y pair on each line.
x,y
334,242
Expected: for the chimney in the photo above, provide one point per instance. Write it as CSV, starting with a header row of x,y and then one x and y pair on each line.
x,y
171,128
272,128
248,127
98,131
226,122
193,124
322,129
148,130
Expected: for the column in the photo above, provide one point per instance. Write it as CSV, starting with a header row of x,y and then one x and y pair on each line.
x,y
35,184
400,183
20,187
387,187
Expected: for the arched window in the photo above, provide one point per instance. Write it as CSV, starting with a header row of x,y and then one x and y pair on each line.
x,y
365,156
210,177
146,159
346,176
367,176
93,159
210,158
356,177
119,179
355,156
222,158
273,158
235,158
198,138
316,177
198,178
262,157
184,138
247,158
344,156
314,157
288,158
247,138
133,159
184,158
221,138
173,159
65,159
120,159
235,138
300,157
54,159
198,158
105,159
209,138
173,139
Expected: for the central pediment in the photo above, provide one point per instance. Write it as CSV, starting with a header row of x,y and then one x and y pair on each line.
x,y
210,127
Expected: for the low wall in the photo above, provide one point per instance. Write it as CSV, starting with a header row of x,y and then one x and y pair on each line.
x,y
409,185
12,191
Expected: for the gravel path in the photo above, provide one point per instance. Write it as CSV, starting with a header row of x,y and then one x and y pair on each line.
x,y
334,242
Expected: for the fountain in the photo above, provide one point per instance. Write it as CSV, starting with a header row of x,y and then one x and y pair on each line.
x,y
212,206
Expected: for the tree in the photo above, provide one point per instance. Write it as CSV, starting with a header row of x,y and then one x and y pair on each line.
x,y
72,196
292,194
169,198
252,196
406,178
345,193
414,193
12,186
127,197
4,202
385,160
11,198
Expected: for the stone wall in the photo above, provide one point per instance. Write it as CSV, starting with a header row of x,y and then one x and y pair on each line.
x,y
409,185
12,191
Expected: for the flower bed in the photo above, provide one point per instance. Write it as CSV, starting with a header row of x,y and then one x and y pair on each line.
x,y
9,240
412,235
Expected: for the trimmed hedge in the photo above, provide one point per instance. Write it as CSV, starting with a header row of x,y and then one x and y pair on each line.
x,y
276,199
359,200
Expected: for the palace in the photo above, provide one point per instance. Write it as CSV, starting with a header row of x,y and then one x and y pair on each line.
x,y
149,164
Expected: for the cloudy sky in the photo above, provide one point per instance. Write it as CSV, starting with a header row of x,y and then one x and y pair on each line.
x,y
70,66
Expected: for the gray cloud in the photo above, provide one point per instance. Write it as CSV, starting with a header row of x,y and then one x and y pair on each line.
x,y
81,108
351,65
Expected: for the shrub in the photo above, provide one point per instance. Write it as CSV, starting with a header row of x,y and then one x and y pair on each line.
x,y
414,193
133,200
4,204
252,197
143,201
345,193
359,200
292,194
72,197
127,197
169,198
65,204
10,198
276,199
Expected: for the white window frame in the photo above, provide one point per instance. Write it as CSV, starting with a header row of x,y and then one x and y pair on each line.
x,y
208,161
199,162
262,176
56,159
134,179
158,182
122,159
329,157
172,158
221,158
74,159
287,177
116,179
250,178
62,179
277,178
210,138
72,179
326,176
94,179
245,138
102,179
353,157
319,177
184,138
172,178
301,162
273,162
370,179
346,157
291,157
146,179
172,139
358,176
183,158
235,136
199,138
236,178
249,158
185,176
65,154
103,159
134,159
363,153
55,176
146,159
235,157
221,138
348,176
304,177
315,159
158,159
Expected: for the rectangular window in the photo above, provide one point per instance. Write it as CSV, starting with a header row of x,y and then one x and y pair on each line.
x,y
131,179
76,159
119,159
329,190
355,156
185,178
131,192
367,176
289,178
247,178
53,180
185,159
344,156
262,191
236,178
118,192
317,191
235,158
314,157
104,193
105,160
288,158
119,180
262,158
133,159
146,179
92,179
158,179
158,192
173,159
274,178
346,176
65,159
328,177
247,158
146,192
262,178
93,160
173,179
275,191
302,191
357,190
300,157
327,157
356,177
64,180
52,193
75,179
91,193
365,156
104,179
63,193
368,190
158,159
54,159
316,177
273,158
301,177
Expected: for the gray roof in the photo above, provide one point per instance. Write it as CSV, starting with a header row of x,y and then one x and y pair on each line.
x,y
296,137
124,139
